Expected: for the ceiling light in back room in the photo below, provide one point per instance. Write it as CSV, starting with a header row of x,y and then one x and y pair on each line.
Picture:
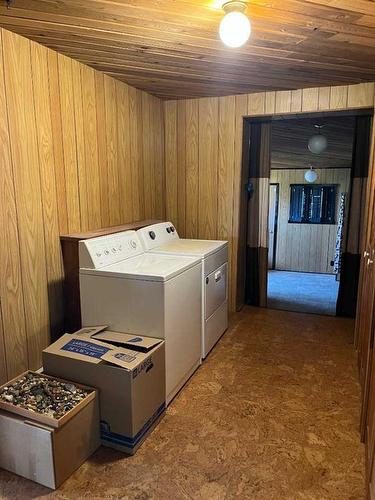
x,y
311,175
235,27
318,143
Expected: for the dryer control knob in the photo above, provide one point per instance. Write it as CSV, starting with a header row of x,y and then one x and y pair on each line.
x,y
168,229
172,229
207,280
152,235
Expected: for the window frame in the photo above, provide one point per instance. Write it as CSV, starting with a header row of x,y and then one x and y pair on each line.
x,y
306,207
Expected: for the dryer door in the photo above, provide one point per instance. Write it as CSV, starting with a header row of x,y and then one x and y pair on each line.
x,y
215,289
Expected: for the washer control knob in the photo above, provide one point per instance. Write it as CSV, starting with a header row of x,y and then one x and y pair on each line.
x,y
133,244
207,280
172,229
152,235
168,229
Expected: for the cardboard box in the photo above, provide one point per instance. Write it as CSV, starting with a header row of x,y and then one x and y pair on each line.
x,y
48,453
128,370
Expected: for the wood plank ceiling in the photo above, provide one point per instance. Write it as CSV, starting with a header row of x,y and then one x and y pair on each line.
x,y
172,49
290,138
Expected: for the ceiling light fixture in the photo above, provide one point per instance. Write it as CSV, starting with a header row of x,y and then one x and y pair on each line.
x,y
311,175
235,27
318,143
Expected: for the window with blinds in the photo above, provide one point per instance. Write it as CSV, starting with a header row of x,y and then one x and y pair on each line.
x,y
312,204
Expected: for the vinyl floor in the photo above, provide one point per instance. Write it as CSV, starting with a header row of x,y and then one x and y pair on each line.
x,y
272,414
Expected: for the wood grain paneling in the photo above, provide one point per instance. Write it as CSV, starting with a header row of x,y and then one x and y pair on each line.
x,y
56,129
339,97
11,291
361,95
172,49
68,163
296,101
24,150
102,149
283,101
324,97
111,127
310,99
270,107
43,124
158,157
148,172
192,168
90,145
80,144
123,142
226,160
171,170
211,214
68,137
136,162
256,104
208,164
181,166
307,248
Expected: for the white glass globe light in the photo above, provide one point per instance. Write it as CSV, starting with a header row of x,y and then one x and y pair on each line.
x,y
311,175
317,144
235,29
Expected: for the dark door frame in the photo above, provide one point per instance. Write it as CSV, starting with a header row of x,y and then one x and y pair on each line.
x,y
277,184
246,174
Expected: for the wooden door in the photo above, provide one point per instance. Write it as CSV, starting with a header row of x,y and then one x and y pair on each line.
x,y
366,340
368,416
368,213
272,224
364,335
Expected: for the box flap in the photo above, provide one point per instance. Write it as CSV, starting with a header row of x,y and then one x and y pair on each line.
x,y
82,348
125,358
130,341
89,331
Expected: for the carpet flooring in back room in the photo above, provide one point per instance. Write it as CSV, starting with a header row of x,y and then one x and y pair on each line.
x,y
272,414
303,292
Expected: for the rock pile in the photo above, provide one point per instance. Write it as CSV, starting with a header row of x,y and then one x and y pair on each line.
x,y
43,395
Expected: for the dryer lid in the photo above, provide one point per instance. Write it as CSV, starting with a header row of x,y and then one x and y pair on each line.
x,y
199,248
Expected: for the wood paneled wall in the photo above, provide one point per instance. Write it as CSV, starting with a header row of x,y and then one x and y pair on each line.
x,y
307,248
203,152
79,150
82,150
203,148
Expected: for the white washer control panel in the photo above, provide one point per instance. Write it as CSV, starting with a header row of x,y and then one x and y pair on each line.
x,y
157,235
105,250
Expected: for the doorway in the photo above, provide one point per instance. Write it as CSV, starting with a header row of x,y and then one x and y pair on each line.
x,y
303,238
273,213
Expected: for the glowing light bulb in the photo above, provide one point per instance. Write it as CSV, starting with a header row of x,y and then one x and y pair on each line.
x,y
235,27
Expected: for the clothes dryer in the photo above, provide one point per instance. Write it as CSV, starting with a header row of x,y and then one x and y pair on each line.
x,y
163,239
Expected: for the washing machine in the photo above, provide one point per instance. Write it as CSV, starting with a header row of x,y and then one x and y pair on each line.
x,y
163,239
154,295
